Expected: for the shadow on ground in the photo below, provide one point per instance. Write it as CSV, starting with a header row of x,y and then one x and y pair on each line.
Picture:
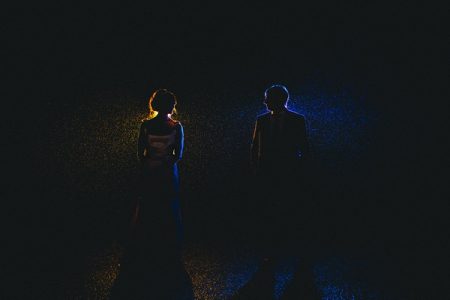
x,y
152,278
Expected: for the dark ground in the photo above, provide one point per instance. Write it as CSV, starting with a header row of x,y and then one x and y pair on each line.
x,y
368,80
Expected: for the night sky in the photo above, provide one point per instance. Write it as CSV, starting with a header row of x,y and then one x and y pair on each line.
x,y
368,80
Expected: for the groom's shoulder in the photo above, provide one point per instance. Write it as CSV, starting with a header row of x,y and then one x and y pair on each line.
x,y
294,114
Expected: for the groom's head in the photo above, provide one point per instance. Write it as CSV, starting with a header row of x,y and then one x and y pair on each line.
x,y
276,97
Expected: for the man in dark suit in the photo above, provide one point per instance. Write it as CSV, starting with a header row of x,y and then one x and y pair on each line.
x,y
280,153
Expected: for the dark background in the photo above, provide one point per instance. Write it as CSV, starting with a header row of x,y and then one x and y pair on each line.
x,y
368,79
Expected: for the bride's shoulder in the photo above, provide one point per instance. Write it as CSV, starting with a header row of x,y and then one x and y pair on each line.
x,y
145,122
175,123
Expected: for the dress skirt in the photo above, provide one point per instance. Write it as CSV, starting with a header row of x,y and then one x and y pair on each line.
x,y
157,221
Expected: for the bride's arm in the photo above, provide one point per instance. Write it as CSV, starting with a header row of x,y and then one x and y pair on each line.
x,y
179,143
142,143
